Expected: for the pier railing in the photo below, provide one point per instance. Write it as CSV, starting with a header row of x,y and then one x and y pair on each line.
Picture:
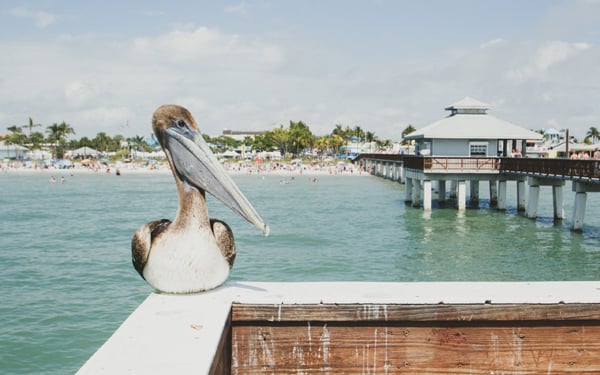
x,y
581,169
449,163
561,168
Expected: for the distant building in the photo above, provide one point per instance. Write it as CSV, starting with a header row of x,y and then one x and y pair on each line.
x,y
239,135
470,131
13,151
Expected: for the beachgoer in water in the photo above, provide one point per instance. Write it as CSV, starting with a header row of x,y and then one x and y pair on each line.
x,y
62,179
52,180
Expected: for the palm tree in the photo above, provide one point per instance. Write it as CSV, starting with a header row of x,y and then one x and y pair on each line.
x,y
336,142
409,129
281,139
58,134
16,137
359,133
593,134
30,126
35,140
247,142
102,141
344,134
323,144
370,137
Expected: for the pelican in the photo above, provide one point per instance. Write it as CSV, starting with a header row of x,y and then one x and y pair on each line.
x,y
193,253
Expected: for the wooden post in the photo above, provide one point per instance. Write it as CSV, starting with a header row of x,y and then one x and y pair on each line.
x,y
401,178
557,202
408,191
579,206
416,193
442,192
521,195
493,193
474,186
502,195
461,195
532,201
453,185
427,195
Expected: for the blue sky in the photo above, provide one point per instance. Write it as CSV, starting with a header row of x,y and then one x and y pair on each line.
x,y
253,65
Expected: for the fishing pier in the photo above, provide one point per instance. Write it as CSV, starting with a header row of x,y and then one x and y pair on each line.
x,y
469,145
420,175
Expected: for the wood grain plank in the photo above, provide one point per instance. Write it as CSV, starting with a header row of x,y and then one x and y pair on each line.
x,y
321,348
422,313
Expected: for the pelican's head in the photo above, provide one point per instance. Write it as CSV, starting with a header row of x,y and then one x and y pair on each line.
x,y
193,162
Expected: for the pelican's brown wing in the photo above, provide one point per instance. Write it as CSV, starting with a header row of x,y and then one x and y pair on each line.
x,y
224,237
142,242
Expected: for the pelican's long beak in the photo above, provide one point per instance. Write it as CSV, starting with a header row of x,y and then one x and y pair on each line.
x,y
196,164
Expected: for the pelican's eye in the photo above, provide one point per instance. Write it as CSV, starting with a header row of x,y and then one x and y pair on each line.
x,y
180,123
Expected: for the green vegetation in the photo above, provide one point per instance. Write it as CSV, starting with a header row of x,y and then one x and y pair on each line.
x,y
293,140
592,136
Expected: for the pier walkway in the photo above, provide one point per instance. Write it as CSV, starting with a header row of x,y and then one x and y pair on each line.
x,y
419,173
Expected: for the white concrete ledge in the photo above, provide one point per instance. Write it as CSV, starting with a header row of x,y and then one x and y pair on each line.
x,y
179,334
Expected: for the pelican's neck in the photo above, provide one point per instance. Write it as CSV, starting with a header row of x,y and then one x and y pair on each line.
x,y
192,207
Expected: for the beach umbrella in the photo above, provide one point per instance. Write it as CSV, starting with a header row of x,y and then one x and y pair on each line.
x,y
64,163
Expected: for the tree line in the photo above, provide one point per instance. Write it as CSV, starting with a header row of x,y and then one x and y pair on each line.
x,y
294,139
57,138
297,138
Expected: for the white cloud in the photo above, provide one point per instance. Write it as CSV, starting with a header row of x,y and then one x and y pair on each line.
x,y
240,8
111,120
491,43
556,52
205,45
40,18
99,81
78,93
193,104
535,65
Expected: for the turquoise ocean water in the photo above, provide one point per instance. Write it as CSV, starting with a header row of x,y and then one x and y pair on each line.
x,y
68,282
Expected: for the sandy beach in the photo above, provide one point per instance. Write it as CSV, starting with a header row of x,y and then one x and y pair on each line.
x,y
247,168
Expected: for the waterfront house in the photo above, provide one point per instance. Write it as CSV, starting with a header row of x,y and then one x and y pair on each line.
x,y
12,151
470,131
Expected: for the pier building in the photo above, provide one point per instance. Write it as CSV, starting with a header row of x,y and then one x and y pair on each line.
x,y
469,131
470,146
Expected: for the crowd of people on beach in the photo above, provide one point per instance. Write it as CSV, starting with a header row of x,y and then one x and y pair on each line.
x,y
240,167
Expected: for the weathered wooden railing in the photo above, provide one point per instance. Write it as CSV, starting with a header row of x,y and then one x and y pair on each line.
x,y
562,168
458,163
580,169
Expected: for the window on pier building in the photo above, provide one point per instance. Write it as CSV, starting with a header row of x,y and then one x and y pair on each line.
x,y
478,149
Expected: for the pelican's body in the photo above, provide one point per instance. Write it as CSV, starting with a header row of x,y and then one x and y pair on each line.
x,y
193,253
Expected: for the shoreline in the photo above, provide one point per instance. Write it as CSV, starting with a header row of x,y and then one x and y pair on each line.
x,y
235,169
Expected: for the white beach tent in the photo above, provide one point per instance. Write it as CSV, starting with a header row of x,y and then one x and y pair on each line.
x,y
85,152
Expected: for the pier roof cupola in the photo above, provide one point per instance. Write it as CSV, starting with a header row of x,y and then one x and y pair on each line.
x,y
469,120
468,105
